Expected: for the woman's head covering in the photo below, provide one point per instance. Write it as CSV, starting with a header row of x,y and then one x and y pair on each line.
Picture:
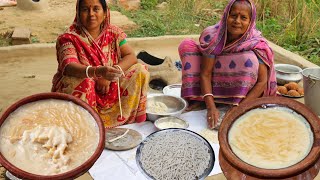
x,y
78,28
76,45
213,38
213,42
106,45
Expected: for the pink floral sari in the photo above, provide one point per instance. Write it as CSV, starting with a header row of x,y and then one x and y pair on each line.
x,y
77,46
235,71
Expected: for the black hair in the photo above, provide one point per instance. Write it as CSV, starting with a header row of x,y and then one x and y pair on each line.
x,y
103,3
246,2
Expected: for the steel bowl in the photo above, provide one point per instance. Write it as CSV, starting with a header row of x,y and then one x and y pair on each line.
x,y
171,134
170,122
175,106
286,73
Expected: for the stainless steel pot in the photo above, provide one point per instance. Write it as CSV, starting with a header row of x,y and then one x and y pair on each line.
x,y
286,73
311,86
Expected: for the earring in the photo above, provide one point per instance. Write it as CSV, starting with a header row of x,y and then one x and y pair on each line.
x,y
101,26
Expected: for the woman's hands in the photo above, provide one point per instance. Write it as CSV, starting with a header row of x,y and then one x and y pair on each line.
x,y
102,86
108,73
213,115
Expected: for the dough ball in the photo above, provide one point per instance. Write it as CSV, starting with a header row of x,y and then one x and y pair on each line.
x,y
300,91
282,90
293,93
292,86
286,85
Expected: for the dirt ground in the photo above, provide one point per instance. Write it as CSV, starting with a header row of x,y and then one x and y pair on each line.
x,y
45,26
30,71
48,23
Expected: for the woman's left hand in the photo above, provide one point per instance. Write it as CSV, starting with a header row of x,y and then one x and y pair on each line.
x,y
102,86
213,115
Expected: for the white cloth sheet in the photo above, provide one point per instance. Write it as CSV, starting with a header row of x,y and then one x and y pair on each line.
x,y
122,164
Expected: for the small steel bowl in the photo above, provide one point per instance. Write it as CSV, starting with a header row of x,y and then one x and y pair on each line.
x,y
175,105
286,73
171,122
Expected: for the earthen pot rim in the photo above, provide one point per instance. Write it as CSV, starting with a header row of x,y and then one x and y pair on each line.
x,y
78,171
298,168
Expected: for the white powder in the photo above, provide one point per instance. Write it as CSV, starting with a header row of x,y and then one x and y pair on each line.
x,y
157,107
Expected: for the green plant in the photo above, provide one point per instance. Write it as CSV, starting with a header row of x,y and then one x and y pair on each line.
x,y
5,38
292,24
34,39
4,42
148,4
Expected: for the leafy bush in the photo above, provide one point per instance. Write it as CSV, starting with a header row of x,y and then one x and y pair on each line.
x,y
292,24
148,4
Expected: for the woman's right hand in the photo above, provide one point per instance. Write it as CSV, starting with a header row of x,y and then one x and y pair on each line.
x,y
102,86
213,115
108,72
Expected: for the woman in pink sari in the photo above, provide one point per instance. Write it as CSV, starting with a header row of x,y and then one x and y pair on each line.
x,y
97,65
232,64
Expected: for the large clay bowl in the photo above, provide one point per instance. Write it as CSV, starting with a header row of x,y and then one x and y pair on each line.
x,y
69,174
234,168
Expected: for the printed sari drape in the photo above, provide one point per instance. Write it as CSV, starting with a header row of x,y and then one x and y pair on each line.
x,y
226,86
77,46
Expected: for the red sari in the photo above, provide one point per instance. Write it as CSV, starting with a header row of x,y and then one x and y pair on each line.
x,y
77,46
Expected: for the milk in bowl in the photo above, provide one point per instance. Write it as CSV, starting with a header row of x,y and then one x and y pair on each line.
x,y
49,137
271,138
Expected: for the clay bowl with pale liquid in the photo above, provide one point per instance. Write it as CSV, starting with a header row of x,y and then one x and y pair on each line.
x,y
70,174
235,168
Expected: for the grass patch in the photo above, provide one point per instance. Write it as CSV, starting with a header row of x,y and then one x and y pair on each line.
x,y
291,24
5,38
174,20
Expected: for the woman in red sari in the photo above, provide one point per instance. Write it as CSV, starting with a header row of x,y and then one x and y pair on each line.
x,y
97,65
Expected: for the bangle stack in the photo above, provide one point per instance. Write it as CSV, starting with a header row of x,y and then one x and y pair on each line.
x,y
94,72
208,94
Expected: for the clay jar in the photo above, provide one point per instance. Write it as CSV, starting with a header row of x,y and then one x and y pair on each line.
x,y
33,4
69,174
234,168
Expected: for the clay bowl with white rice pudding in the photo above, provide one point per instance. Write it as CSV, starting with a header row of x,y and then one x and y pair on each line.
x,y
50,136
160,105
270,138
